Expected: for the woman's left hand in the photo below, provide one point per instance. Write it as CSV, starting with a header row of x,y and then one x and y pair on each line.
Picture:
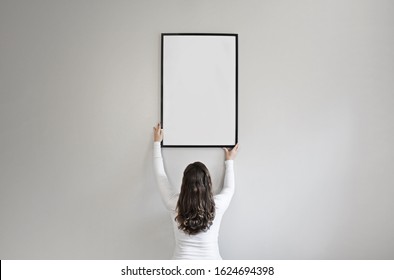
x,y
157,133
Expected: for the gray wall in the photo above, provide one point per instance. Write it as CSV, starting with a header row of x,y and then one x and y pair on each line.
x,y
80,93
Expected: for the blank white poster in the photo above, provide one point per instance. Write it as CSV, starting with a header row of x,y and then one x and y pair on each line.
x,y
199,90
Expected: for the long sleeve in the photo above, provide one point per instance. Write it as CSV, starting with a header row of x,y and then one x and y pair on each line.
x,y
168,193
223,199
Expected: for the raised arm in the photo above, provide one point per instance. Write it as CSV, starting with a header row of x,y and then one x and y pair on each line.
x,y
224,197
168,193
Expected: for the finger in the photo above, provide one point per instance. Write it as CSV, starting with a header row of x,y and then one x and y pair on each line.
x,y
157,128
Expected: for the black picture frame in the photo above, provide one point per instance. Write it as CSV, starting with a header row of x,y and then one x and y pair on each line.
x,y
231,95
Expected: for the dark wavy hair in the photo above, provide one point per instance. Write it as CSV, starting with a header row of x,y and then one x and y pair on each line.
x,y
196,206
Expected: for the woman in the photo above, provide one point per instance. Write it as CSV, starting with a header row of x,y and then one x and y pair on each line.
x,y
196,213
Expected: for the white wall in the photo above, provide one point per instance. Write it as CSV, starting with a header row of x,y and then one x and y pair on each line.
x,y
80,93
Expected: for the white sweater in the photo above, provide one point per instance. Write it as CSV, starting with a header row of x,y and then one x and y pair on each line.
x,y
203,245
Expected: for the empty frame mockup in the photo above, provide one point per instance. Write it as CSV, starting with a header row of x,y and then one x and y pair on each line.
x,y
199,90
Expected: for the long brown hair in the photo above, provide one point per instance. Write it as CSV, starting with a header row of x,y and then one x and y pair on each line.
x,y
196,206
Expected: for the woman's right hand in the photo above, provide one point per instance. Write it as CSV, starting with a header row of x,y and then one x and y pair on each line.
x,y
231,154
